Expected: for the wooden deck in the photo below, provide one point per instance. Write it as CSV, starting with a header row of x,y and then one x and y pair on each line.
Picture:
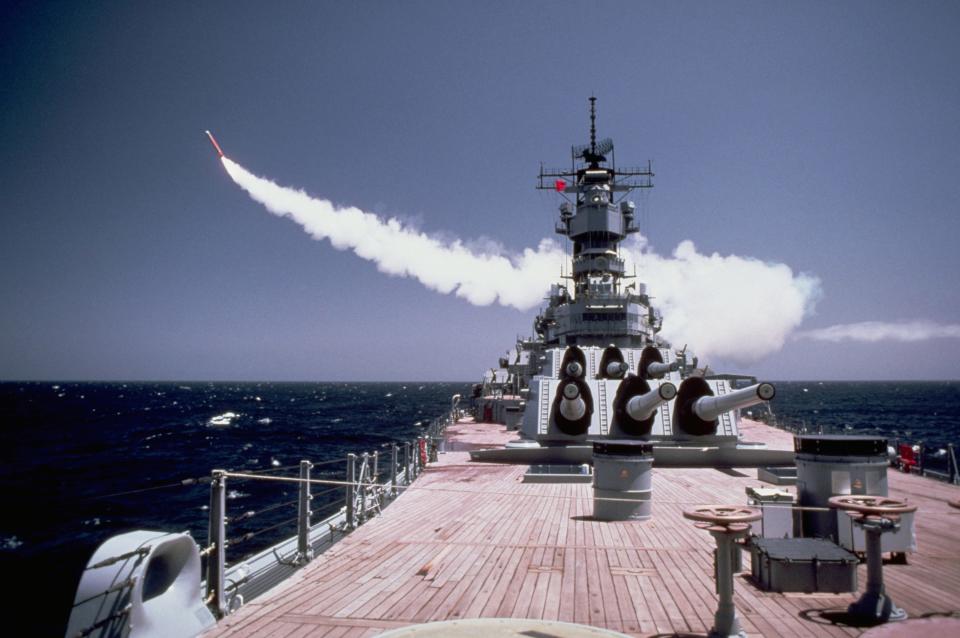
x,y
470,540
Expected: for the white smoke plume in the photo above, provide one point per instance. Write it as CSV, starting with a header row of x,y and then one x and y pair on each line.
x,y
479,276
737,308
874,331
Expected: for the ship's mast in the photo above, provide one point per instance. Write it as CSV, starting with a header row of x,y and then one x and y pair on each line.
x,y
595,215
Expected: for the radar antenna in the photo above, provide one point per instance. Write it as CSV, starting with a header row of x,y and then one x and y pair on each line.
x,y
594,152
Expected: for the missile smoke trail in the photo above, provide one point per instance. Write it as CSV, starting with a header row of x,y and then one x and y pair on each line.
x,y
738,308
874,331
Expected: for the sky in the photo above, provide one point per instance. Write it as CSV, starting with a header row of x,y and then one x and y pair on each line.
x,y
821,137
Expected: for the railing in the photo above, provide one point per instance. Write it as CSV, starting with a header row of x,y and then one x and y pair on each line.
x,y
366,487
940,464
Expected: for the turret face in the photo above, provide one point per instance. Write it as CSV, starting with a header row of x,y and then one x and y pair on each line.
x,y
596,217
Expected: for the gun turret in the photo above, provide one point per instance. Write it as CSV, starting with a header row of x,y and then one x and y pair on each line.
x,y
642,406
697,409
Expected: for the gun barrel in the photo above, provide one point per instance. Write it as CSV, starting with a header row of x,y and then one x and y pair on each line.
x,y
574,369
617,369
656,369
711,407
572,406
642,406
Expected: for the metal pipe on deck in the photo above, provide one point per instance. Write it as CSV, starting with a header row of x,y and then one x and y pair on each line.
x,y
709,408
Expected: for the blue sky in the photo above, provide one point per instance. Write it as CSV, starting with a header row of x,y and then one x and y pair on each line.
x,y
819,135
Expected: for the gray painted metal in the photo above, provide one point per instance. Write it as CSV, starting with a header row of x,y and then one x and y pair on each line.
x,y
802,565
622,484
142,584
663,456
820,476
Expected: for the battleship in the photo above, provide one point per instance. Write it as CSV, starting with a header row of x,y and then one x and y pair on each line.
x,y
599,482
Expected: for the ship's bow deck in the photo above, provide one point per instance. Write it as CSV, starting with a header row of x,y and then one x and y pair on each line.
x,y
471,540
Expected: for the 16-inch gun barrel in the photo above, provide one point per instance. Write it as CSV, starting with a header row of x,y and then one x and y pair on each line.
x,y
572,406
709,408
656,369
574,369
642,406
616,369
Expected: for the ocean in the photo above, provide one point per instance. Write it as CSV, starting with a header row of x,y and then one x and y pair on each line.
x,y
84,461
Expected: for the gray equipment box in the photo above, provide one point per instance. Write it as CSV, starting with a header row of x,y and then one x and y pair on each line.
x,y
802,565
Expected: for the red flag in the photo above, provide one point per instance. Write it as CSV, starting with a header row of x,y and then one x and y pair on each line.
x,y
560,185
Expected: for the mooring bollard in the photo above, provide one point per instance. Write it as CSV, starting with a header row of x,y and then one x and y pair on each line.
x,y
876,515
725,524
304,552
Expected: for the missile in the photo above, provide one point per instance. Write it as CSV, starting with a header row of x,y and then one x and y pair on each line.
x,y
214,142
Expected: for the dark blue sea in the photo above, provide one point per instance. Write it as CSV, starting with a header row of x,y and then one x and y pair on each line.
x,y
84,461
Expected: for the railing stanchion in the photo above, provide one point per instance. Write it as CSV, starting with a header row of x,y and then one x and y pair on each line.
x,y
216,536
351,481
416,457
364,485
406,463
954,470
304,552
393,469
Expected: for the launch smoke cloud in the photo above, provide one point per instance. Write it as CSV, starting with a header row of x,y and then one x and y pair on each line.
x,y
736,308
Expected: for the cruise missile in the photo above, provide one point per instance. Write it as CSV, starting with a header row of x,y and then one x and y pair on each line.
x,y
214,142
